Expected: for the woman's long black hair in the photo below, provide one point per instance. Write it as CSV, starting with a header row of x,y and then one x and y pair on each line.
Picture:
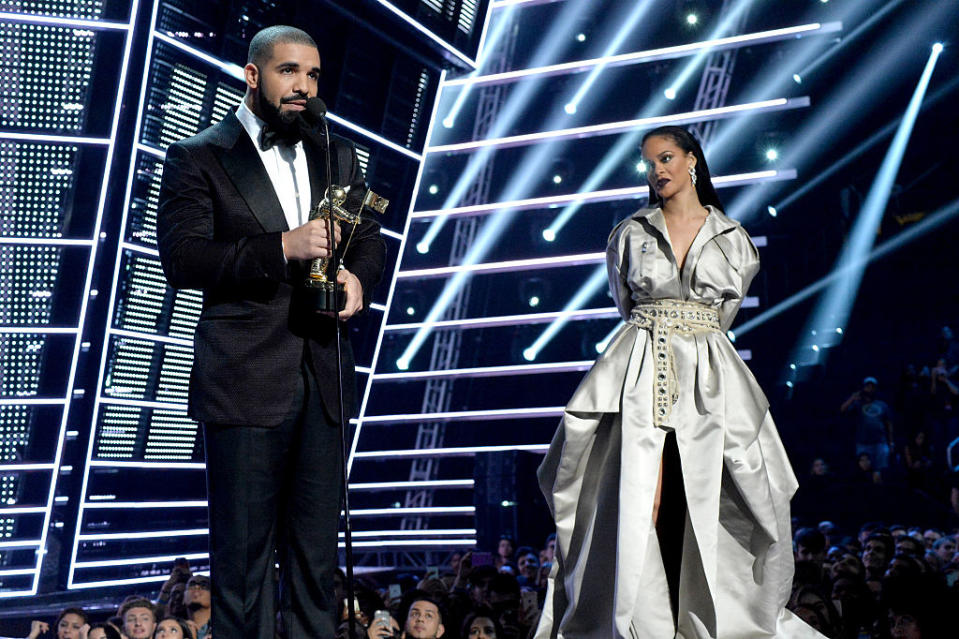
x,y
685,140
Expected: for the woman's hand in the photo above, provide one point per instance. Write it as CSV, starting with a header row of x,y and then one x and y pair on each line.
x,y
37,628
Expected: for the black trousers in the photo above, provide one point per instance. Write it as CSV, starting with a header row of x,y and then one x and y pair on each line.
x,y
274,496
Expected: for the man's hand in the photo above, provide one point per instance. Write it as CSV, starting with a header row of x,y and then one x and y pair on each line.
x,y
354,294
379,629
310,241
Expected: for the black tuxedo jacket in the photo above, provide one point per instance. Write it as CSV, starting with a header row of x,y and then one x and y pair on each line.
x,y
218,229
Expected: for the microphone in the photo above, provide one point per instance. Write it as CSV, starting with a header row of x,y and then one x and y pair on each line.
x,y
315,111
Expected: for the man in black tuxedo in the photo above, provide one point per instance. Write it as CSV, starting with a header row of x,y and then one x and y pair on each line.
x,y
233,221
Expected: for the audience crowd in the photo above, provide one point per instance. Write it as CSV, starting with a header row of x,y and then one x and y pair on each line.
x,y
875,580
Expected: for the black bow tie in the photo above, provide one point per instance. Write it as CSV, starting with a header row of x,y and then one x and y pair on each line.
x,y
270,137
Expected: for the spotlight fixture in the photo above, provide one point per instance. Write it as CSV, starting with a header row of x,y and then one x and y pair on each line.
x,y
937,47
570,108
434,189
772,155
533,291
732,336
670,93
581,37
771,210
797,78
789,384
533,301
549,235
692,19
422,248
448,122
529,354
403,364
641,168
557,179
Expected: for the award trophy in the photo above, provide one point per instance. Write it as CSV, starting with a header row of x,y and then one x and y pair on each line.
x,y
324,293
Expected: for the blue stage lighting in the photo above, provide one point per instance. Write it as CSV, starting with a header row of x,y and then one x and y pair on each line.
x,y
434,189
692,19
927,225
410,310
403,364
423,248
732,336
627,28
835,306
797,78
641,168
772,211
772,155
549,235
580,37
937,47
557,179
534,301
670,93
789,384
529,354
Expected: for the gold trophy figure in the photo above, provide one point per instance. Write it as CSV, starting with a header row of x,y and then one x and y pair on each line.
x,y
328,295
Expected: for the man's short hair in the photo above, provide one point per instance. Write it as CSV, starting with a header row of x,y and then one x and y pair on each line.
x,y
811,539
137,602
261,46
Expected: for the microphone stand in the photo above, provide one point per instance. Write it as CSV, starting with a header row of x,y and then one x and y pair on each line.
x,y
344,447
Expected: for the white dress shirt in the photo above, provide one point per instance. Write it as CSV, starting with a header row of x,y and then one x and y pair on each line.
x,y
286,167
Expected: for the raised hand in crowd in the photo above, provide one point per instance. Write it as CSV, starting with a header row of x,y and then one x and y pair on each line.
x,y
38,628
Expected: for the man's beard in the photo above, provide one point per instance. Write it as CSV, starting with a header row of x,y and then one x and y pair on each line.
x,y
193,606
285,123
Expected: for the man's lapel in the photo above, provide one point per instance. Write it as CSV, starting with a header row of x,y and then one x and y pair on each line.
x,y
242,164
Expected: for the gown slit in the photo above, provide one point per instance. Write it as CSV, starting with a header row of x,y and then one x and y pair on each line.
x,y
671,523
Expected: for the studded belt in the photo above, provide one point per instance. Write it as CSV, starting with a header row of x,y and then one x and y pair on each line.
x,y
662,318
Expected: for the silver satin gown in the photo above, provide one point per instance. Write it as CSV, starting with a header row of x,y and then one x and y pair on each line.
x,y
601,472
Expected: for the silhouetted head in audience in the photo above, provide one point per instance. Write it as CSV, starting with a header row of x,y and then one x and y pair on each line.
x,y
104,631
810,546
909,546
479,581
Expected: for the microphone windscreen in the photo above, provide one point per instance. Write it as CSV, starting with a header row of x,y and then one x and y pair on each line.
x,y
316,107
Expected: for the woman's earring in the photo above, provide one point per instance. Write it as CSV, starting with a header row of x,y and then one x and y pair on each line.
x,y
692,175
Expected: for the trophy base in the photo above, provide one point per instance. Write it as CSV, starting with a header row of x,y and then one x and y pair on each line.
x,y
324,297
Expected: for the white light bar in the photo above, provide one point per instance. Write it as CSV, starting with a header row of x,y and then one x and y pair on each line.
x,y
21,510
506,266
142,403
38,330
429,34
46,241
139,248
27,543
178,341
365,370
229,68
17,571
53,139
134,561
429,483
106,463
120,582
411,533
467,451
592,197
467,415
377,307
487,371
356,128
4,468
156,534
623,126
414,510
139,505
507,320
499,4
57,21
392,234
409,543
33,401
652,55
150,150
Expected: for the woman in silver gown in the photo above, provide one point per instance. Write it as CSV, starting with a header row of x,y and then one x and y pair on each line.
x,y
667,479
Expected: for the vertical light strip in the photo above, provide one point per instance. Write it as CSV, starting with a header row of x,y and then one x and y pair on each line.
x,y
116,270
396,269
85,299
